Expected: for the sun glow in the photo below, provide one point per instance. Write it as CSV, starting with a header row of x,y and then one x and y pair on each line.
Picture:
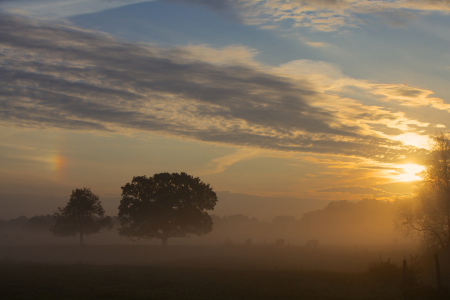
x,y
409,172
413,139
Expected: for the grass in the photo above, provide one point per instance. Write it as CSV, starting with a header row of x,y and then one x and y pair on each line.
x,y
207,272
335,259
78,281
408,277
385,270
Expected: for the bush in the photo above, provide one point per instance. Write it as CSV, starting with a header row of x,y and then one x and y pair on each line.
x,y
411,271
385,270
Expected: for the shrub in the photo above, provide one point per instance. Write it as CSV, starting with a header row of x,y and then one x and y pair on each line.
x,y
384,269
411,271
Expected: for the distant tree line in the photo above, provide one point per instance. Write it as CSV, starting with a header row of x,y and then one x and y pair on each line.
x,y
36,223
341,221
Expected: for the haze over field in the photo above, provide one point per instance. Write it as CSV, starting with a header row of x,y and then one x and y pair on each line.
x,y
281,106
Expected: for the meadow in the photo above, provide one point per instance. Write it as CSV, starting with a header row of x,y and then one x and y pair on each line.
x,y
55,281
197,272
256,257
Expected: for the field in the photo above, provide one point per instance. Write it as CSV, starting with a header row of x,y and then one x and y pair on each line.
x,y
177,272
325,258
52,281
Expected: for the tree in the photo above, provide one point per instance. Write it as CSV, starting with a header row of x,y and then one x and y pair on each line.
x,y
166,205
39,223
82,215
428,214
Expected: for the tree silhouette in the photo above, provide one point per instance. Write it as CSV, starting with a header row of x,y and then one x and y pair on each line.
x,y
166,205
429,213
82,215
39,223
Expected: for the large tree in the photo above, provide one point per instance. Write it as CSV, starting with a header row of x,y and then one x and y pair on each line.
x,y
82,215
428,214
166,205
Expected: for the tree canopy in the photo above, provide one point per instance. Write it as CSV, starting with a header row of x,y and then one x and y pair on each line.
x,y
39,223
82,215
428,214
166,205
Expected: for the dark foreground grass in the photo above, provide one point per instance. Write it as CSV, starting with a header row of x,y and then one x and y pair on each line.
x,y
77,281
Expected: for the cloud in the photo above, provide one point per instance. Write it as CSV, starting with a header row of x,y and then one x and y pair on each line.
x,y
360,190
398,18
234,54
409,96
226,8
219,164
325,15
57,9
398,187
329,80
213,4
319,15
56,76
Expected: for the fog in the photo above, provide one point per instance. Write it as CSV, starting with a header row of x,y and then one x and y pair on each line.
x,y
263,208
349,234
342,222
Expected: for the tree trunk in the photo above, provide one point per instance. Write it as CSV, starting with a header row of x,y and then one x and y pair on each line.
x,y
447,245
438,272
164,241
81,239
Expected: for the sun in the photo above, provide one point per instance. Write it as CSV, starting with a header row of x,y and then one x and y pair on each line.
x,y
409,172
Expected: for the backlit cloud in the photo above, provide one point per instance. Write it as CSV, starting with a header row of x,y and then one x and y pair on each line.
x,y
360,190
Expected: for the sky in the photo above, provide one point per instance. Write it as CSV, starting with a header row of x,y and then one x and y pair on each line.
x,y
277,99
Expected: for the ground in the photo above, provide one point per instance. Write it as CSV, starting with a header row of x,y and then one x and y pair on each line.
x,y
55,281
219,272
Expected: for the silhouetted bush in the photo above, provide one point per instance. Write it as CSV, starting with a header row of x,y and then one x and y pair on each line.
x,y
411,271
385,270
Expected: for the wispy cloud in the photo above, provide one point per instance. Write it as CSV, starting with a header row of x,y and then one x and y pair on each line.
x,y
360,190
218,165
226,8
322,15
56,76
410,96
374,119
56,9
